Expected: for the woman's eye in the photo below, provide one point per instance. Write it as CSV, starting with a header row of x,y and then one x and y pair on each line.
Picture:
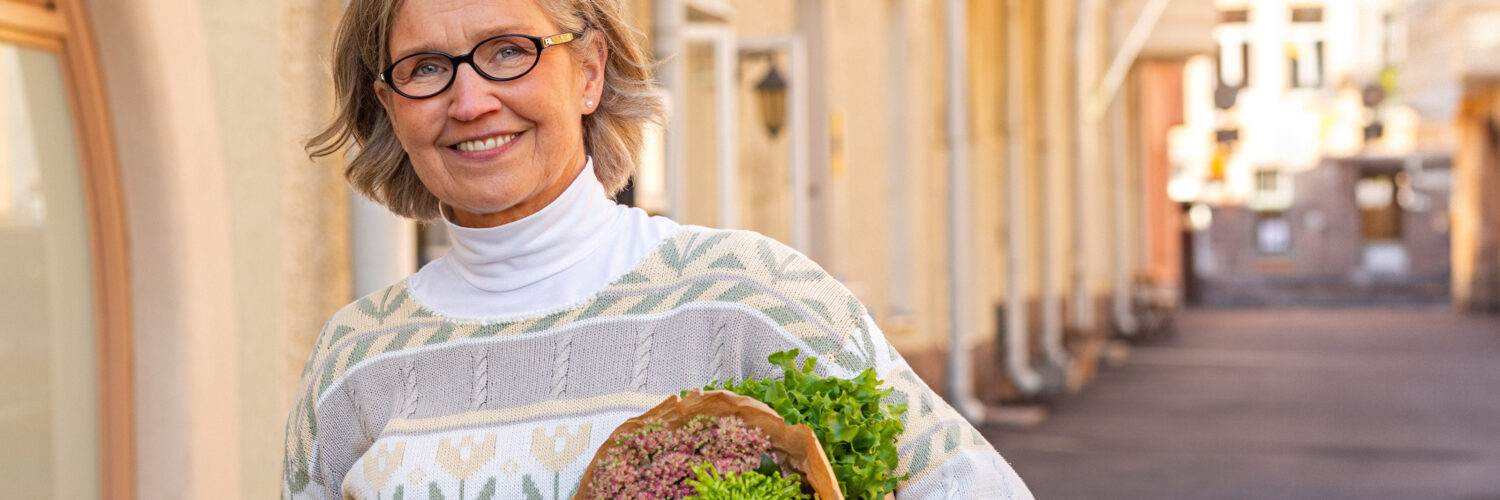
x,y
509,52
428,69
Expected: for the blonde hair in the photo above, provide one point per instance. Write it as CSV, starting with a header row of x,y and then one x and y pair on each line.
x,y
381,170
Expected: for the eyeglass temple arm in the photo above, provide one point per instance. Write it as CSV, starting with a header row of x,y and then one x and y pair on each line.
x,y
558,39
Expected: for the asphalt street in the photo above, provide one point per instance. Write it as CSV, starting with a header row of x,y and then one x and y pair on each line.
x,y
1307,403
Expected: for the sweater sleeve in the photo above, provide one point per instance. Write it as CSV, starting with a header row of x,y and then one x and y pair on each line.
x,y
301,478
943,455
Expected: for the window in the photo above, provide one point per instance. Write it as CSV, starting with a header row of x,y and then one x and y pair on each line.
x,y
1234,48
64,348
1273,233
1233,16
1305,48
1234,64
1379,214
1266,181
1307,14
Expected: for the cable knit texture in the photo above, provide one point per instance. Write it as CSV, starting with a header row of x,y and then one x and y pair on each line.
x,y
417,391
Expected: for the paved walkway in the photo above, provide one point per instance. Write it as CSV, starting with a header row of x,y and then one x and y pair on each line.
x,y
1348,403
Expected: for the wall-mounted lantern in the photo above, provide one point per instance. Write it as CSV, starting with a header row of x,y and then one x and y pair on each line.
x,y
771,92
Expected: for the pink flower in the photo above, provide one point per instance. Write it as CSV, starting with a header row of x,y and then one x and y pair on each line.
x,y
655,461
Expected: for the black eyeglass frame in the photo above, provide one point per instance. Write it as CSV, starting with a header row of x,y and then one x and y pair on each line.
x,y
541,45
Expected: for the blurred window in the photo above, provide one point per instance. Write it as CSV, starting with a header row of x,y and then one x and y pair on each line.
x,y
1234,59
1231,16
1305,48
1266,181
1379,214
1307,14
66,425
1273,233
49,417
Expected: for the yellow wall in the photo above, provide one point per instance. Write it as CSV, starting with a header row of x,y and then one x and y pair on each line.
x,y
239,244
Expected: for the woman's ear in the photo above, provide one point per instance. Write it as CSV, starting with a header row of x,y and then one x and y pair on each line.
x,y
595,60
383,94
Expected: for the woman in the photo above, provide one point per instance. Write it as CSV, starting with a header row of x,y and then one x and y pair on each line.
x,y
497,370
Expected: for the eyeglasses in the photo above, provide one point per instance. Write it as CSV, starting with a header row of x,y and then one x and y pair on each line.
x,y
502,58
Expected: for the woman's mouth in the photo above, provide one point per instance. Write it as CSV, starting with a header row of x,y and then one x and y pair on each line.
x,y
481,145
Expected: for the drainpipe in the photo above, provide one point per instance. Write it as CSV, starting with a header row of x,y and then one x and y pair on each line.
x,y
1124,316
667,21
1052,329
1083,47
1099,102
1017,336
960,382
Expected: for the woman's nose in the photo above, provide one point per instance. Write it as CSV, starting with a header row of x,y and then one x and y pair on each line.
x,y
473,96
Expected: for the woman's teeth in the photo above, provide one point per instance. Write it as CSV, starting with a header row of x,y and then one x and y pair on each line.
x,y
486,144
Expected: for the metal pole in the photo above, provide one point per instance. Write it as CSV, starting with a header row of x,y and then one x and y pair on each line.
x,y
960,391
668,19
1017,334
1083,47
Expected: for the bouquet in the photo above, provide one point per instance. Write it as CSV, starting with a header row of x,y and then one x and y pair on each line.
x,y
801,436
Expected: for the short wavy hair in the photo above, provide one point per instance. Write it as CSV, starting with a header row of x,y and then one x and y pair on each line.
x,y
381,170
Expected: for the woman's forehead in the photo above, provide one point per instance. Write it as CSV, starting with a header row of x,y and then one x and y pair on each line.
x,y
455,25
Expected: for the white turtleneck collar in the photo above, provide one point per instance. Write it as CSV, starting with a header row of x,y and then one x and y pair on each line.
x,y
553,259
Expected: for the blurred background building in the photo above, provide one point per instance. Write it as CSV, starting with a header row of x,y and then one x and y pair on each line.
x,y
1012,187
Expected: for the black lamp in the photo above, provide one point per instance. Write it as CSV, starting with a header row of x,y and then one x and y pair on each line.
x,y
772,93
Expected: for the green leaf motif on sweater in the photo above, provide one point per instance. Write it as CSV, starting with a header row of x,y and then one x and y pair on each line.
x,y
488,330
784,315
737,293
867,339
528,488
693,292
728,261
361,349
920,456
779,270
598,306
819,307
441,335
299,477
546,322
850,361
488,491
632,278
401,339
692,251
338,334
950,439
388,304
897,397
433,492
400,493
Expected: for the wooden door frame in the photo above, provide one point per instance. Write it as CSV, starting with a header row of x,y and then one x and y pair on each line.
x,y
61,26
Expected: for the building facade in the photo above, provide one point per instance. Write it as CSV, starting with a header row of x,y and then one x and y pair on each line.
x,y
989,177
1454,83
1321,188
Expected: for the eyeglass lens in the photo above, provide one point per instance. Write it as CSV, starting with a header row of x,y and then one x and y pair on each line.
x,y
501,58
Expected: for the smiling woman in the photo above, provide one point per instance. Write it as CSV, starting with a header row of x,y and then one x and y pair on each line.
x,y
558,314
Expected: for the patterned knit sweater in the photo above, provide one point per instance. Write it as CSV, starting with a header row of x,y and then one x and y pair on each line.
x,y
398,401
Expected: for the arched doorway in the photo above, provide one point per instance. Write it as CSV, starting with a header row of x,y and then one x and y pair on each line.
x,y
65,375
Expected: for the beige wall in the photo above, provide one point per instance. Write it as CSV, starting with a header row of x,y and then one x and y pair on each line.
x,y
238,242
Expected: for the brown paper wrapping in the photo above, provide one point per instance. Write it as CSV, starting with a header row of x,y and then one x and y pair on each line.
x,y
795,442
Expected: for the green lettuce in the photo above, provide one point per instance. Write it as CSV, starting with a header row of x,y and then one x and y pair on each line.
x,y
857,431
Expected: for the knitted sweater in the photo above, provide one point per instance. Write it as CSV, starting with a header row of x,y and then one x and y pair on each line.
x,y
401,400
